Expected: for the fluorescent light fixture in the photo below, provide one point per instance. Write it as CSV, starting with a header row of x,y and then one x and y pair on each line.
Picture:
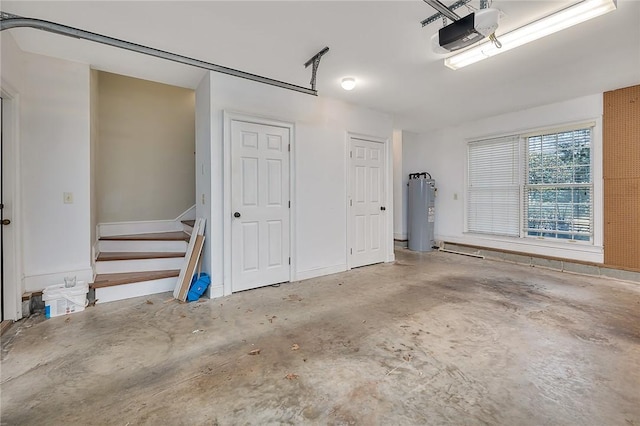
x,y
348,83
565,18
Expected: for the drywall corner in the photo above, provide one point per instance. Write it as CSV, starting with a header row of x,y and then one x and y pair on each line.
x,y
203,173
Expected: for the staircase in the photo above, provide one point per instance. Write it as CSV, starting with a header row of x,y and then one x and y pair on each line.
x,y
134,265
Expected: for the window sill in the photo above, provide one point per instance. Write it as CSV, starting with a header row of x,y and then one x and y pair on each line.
x,y
581,251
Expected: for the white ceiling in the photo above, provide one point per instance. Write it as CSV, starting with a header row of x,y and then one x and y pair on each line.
x,y
381,43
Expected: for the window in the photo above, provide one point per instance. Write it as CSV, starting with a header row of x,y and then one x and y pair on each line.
x,y
536,185
558,185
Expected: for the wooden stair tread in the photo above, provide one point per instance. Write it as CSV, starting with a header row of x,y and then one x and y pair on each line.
x,y
121,255
157,236
190,223
109,280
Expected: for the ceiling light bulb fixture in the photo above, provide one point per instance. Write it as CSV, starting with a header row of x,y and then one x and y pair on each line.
x,y
565,18
348,83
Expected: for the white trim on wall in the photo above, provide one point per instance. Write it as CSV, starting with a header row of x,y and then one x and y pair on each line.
x,y
390,248
215,291
598,186
14,285
293,211
228,117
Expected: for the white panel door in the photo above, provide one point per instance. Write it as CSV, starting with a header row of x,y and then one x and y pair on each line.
x,y
259,205
368,211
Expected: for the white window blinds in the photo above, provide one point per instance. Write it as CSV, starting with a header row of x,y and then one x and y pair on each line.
x,y
493,187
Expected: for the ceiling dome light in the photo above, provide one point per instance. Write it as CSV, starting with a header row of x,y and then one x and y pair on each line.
x,y
348,83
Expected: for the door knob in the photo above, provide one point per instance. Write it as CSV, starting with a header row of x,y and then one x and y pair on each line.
x,y
383,208
236,214
6,221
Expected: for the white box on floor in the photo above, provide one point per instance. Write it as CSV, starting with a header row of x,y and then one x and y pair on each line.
x,y
61,300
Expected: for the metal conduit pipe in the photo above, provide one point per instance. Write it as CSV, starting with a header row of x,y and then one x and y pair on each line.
x,y
8,21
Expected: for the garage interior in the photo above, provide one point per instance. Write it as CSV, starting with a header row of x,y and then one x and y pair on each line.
x,y
285,155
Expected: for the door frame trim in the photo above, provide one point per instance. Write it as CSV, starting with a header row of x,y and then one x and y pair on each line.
x,y
228,117
11,106
387,239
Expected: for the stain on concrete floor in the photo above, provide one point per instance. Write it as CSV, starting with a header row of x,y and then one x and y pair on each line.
x,y
433,339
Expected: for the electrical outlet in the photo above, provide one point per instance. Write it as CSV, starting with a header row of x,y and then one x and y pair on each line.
x,y
67,197
203,199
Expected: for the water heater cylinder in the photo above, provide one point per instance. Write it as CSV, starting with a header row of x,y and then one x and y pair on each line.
x,y
422,213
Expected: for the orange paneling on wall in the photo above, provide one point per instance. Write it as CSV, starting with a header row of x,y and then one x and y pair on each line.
x,y
621,167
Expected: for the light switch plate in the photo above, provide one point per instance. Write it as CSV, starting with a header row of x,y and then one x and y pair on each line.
x,y
67,197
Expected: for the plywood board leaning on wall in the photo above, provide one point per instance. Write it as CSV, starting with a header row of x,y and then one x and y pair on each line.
x,y
191,259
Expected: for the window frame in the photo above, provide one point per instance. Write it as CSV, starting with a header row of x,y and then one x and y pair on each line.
x,y
526,187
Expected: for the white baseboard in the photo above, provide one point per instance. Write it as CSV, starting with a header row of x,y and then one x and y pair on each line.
x,y
400,237
141,227
319,272
215,291
40,281
189,214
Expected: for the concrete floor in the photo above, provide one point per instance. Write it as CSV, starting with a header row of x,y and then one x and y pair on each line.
x,y
433,339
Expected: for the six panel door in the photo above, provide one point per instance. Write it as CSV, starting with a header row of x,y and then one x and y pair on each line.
x,y
367,202
260,205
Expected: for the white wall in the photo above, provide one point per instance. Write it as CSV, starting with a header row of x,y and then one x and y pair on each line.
x,y
203,176
11,69
54,151
443,154
93,148
399,226
409,165
320,166
11,66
